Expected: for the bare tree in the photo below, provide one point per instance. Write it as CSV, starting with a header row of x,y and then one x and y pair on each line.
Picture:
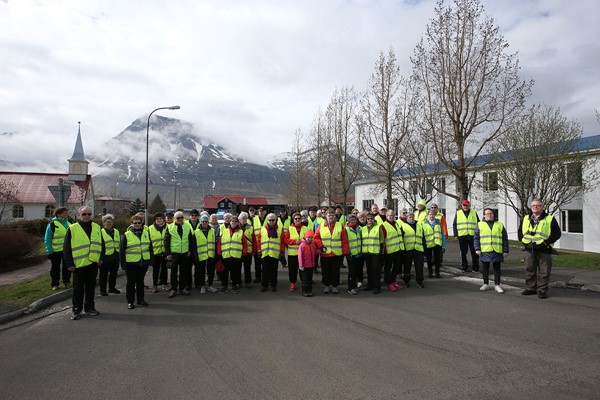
x,y
386,112
344,135
468,86
300,163
8,197
317,149
540,158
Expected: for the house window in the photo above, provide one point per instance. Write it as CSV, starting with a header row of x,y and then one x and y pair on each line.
x,y
49,212
394,205
428,186
490,181
17,211
367,204
414,188
442,184
572,221
574,174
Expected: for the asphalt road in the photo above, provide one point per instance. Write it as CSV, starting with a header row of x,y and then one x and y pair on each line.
x,y
447,341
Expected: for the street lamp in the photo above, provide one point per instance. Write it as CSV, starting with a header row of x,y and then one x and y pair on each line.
x,y
174,190
147,147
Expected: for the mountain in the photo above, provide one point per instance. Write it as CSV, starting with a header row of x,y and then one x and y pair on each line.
x,y
178,155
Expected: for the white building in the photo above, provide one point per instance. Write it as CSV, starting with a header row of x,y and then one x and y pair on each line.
x,y
27,195
579,220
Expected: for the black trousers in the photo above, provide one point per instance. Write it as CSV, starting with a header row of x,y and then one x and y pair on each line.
x,y
373,270
292,265
413,257
392,267
466,245
257,267
354,269
200,273
307,276
210,270
159,270
233,267
330,270
360,271
57,265
180,271
269,271
193,264
108,272
135,282
247,263
485,272
84,285
434,259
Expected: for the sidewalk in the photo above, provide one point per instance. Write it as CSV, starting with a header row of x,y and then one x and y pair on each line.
x,y
515,274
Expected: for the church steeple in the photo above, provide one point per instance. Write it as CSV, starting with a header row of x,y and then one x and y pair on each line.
x,y
78,165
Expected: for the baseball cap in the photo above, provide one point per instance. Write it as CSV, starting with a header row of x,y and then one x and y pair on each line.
x,y
465,202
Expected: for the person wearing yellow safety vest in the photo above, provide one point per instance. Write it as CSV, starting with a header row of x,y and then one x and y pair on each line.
x,y
203,252
82,248
491,245
440,217
354,259
339,215
332,241
258,222
312,218
157,233
136,255
414,246
379,219
178,248
292,238
372,246
251,239
232,246
421,211
393,250
54,240
109,257
538,233
193,271
435,243
270,246
464,225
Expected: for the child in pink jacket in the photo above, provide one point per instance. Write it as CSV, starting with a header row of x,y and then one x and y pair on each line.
x,y
306,262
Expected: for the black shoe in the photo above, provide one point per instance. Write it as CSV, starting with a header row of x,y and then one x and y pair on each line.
x,y
528,292
420,284
172,294
93,312
406,284
76,316
143,303
475,270
438,276
257,280
114,290
235,289
103,294
263,289
376,291
273,289
130,306
431,275
542,295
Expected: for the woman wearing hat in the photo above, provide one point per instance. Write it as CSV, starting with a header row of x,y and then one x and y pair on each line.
x,y
232,246
109,257
203,252
292,238
271,247
136,253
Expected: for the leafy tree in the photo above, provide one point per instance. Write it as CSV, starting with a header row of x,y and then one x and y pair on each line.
x,y
156,206
468,87
540,158
136,206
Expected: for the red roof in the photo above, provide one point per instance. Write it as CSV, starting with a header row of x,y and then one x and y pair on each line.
x,y
212,200
32,187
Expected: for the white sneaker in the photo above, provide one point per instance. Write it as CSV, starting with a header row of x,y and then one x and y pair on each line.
x,y
484,287
326,289
334,290
203,290
499,289
212,289
359,285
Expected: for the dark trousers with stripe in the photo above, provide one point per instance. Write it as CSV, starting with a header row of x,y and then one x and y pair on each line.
x,y
84,286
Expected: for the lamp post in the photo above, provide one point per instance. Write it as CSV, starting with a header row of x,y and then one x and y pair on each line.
x,y
147,148
174,190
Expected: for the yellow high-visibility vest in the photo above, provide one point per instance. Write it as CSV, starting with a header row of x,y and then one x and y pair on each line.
x,y
393,237
466,226
111,244
490,240
294,235
332,240
86,250
354,240
231,245
138,248
58,238
538,234
413,238
180,244
270,247
205,244
157,238
371,239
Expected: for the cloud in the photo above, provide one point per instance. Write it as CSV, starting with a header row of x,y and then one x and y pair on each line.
x,y
245,73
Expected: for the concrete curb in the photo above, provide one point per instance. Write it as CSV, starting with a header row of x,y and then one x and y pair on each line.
x,y
571,284
37,306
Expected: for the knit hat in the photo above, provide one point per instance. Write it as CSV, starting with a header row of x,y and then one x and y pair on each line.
x,y
422,202
107,217
308,234
204,218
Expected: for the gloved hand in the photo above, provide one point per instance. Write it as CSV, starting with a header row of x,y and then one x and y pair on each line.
x,y
301,268
282,260
323,249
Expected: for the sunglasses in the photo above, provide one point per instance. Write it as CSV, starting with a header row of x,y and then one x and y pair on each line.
x,y
86,214
136,223
179,218
297,217
271,220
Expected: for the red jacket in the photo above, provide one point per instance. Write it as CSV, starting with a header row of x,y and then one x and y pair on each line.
x,y
244,243
307,254
319,242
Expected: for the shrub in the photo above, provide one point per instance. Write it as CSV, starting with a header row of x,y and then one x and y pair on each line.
x,y
15,245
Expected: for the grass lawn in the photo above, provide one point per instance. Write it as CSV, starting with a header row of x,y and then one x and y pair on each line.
x,y
589,261
23,294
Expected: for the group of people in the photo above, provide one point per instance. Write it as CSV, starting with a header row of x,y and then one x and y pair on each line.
x,y
197,249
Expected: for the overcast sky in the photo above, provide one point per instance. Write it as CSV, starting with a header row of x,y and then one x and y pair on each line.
x,y
246,73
